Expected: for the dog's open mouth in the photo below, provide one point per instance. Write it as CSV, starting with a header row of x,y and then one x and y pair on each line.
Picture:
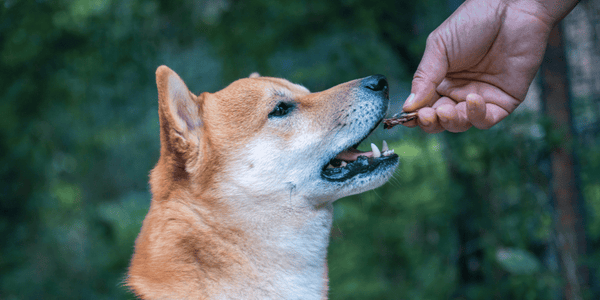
x,y
352,162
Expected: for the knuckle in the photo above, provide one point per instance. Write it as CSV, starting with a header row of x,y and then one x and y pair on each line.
x,y
432,38
419,76
435,40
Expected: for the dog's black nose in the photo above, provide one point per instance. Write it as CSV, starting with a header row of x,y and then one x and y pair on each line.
x,y
376,83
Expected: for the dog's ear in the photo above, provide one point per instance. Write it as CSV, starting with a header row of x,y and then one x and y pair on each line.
x,y
179,111
254,75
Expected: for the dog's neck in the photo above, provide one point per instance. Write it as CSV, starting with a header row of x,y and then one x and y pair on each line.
x,y
286,242
244,245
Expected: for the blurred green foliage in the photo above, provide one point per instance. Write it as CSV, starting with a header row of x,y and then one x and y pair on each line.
x,y
466,216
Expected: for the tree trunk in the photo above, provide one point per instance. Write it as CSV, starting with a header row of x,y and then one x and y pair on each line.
x,y
569,223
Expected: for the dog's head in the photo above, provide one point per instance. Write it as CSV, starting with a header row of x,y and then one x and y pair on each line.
x,y
267,138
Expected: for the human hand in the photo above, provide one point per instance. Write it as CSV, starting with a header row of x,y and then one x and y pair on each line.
x,y
478,65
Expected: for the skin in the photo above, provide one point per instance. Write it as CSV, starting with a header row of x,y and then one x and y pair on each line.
x,y
478,65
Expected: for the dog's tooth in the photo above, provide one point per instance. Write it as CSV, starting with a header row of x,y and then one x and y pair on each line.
x,y
343,164
388,152
376,152
330,166
384,148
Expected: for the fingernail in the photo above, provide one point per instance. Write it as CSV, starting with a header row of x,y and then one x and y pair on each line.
x,y
409,101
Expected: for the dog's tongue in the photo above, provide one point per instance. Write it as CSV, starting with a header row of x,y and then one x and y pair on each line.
x,y
353,154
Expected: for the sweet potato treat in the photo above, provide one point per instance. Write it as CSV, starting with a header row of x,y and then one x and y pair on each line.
x,y
398,119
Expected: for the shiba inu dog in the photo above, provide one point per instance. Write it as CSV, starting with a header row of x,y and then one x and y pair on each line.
x,y
243,190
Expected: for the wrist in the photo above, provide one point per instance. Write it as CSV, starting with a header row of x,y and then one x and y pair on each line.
x,y
549,11
558,9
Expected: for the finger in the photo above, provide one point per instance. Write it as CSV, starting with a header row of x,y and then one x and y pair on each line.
x,y
414,122
493,115
411,123
422,94
453,118
476,111
462,122
443,101
459,89
483,115
429,74
434,130
428,120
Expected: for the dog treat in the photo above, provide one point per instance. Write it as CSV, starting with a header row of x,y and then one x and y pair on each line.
x,y
398,119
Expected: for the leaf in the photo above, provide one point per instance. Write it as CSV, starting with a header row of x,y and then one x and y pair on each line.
x,y
517,261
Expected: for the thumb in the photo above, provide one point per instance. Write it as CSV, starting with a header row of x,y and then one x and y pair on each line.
x,y
431,71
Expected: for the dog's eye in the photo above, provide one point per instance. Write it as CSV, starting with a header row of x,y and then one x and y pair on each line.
x,y
281,109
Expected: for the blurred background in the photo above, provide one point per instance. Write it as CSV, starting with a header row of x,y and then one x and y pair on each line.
x,y
508,213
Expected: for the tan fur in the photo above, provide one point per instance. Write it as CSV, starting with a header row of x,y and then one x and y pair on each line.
x,y
199,239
